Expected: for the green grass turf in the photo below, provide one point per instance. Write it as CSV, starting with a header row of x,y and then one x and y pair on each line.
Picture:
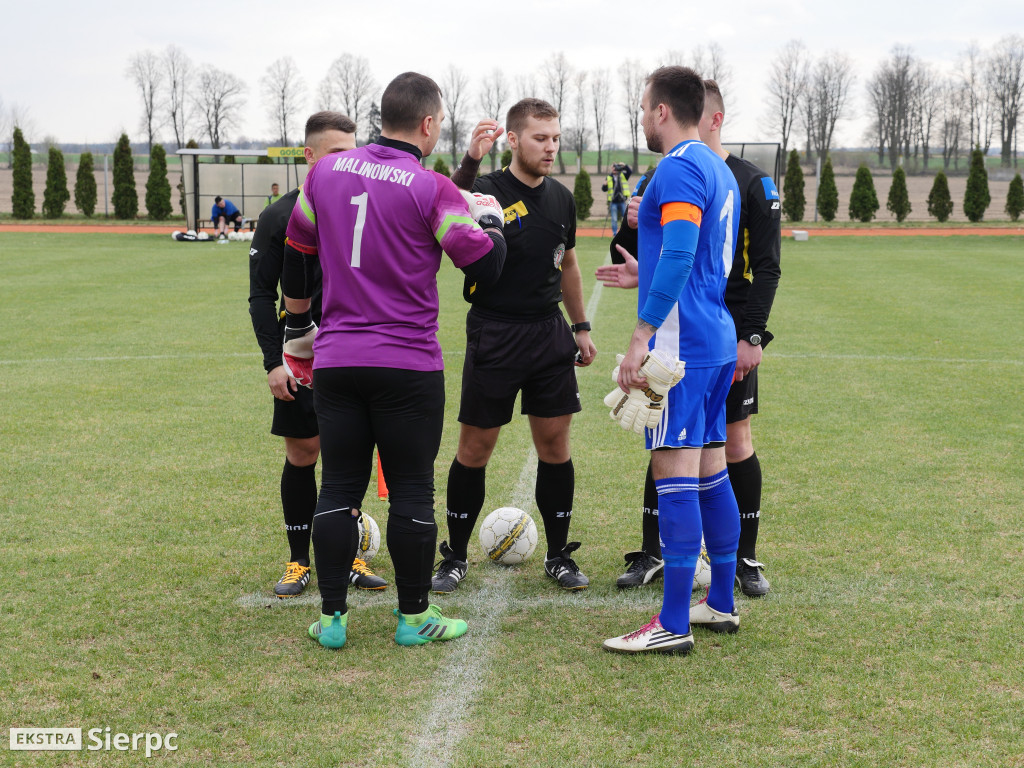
x,y
139,493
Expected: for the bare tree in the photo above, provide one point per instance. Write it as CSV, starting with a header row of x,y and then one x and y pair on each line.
x,y
284,93
633,79
600,95
493,99
177,75
709,61
15,116
557,75
577,131
827,100
219,101
1004,75
953,113
926,105
454,88
525,87
878,102
353,85
146,71
787,83
325,95
891,90
971,67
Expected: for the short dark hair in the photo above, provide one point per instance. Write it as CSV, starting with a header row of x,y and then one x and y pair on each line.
x,y
407,100
526,108
217,199
714,94
319,122
681,90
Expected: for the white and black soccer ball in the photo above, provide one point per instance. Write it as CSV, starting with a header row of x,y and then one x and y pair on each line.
x,y
203,236
175,233
508,536
702,576
369,537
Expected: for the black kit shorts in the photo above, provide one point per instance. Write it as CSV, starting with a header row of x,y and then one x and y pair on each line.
x,y
295,418
503,358
742,399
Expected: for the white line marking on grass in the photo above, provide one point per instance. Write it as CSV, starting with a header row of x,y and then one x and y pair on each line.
x,y
899,359
126,358
463,676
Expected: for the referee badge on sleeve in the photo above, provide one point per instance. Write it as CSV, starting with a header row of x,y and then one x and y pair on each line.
x,y
559,254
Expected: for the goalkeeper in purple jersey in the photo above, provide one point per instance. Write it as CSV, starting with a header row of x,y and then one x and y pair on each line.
x,y
380,223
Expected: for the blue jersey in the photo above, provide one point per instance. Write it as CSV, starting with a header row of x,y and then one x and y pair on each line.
x,y
693,186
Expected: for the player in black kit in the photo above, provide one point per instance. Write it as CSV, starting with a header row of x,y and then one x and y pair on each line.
x,y
749,293
294,418
517,339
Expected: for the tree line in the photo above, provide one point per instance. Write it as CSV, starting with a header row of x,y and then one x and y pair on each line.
x,y
915,109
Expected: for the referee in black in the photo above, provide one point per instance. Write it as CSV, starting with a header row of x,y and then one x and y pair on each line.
x,y
294,418
749,294
518,340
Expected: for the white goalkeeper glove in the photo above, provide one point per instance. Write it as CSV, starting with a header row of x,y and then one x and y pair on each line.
x,y
641,409
299,332
485,209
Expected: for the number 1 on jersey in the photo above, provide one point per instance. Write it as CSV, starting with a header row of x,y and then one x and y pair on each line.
x,y
727,211
360,201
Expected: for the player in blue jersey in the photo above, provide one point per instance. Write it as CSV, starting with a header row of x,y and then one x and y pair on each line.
x,y
749,294
687,225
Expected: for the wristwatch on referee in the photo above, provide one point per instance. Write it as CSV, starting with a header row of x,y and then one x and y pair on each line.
x,y
581,326
753,339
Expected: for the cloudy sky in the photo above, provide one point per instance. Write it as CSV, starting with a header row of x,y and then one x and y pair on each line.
x,y
70,77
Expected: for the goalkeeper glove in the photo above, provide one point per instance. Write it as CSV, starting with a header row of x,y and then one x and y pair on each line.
x,y
299,332
485,209
642,408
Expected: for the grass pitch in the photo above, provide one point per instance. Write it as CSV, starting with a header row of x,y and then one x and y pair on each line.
x,y
142,534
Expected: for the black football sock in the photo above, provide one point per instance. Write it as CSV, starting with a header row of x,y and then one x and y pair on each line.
x,y
411,544
745,477
298,500
335,536
651,539
465,498
556,484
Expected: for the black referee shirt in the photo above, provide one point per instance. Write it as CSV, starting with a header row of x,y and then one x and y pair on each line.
x,y
756,269
540,226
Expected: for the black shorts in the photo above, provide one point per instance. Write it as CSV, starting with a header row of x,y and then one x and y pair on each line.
x,y
742,399
503,358
295,418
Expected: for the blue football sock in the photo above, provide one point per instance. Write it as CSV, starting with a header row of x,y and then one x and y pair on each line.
x,y
720,518
680,526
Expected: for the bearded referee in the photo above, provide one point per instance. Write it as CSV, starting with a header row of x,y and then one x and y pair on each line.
x,y
379,222
517,340
294,416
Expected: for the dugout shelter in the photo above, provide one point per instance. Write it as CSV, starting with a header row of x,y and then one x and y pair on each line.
x,y
243,181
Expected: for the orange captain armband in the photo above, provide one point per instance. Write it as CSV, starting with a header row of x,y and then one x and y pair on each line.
x,y
680,212
309,250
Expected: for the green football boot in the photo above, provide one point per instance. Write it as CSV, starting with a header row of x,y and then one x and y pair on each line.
x,y
420,628
330,631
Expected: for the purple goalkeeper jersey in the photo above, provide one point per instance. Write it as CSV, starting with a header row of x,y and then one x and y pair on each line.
x,y
379,222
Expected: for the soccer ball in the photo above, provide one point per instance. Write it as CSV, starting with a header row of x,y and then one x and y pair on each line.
x,y
203,236
508,536
369,537
175,233
233,236
702,576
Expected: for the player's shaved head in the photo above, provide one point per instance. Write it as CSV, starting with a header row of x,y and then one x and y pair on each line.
x,y
681,90
713,97
525,109
407,100
319,122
